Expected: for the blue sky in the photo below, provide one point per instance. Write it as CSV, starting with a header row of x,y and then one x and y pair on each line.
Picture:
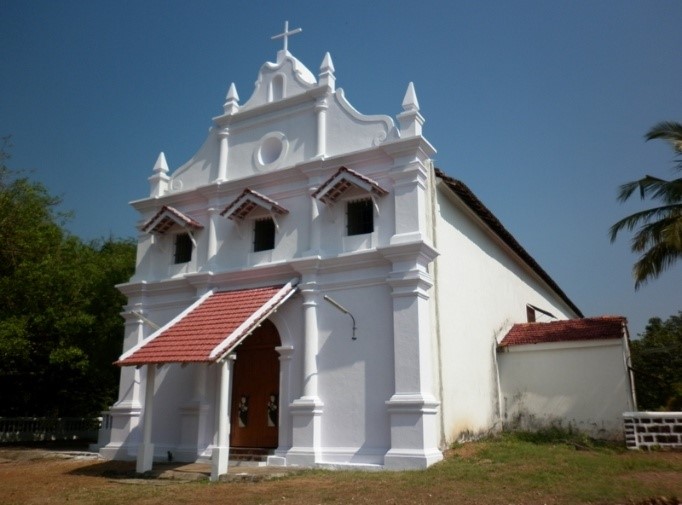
x,y
540,107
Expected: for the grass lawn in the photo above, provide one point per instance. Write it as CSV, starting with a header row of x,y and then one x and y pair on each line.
x,y
513,469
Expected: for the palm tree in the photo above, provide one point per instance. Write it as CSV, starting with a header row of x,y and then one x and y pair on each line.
x,y
659,237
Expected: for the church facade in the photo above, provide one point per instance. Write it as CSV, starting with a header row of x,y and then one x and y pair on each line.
x,y
310,284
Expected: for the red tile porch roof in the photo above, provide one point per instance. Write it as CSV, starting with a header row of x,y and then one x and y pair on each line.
x,y
591,328
210,327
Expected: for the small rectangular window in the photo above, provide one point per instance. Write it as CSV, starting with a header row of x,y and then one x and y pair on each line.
x,y
263,235
360,216
183,248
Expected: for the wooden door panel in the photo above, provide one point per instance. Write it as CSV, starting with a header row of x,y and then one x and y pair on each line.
x,y
255,402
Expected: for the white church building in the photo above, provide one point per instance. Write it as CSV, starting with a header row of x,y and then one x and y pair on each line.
x,y
308,283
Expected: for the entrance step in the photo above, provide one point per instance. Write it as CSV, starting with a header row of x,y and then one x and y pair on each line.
x,y
254,454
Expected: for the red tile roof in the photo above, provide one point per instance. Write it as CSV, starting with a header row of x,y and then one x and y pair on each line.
x,y
471,200
248,201
343,179
166,218
591,328
209,328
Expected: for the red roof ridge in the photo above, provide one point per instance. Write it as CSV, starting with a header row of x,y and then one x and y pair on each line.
x,y
566,330
241,206
330,189
166,217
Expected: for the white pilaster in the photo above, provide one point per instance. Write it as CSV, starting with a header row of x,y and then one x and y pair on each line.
x,y
222,155
125,413
307,411
413,408
310,294
315,225
145,451
410,202
321,107
221,451
284,425
212,248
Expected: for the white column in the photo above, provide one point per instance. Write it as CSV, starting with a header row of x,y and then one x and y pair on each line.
x,y
222,156
310,296
221,451
145,451
321,107
212,249
315,226
307,410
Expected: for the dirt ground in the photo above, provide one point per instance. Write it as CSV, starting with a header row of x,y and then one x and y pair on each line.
x,y
35,476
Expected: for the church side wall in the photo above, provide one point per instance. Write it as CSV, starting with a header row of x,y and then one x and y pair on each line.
x,y
482,290
581,385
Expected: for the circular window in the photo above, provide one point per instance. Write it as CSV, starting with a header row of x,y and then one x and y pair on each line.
x,y
271,148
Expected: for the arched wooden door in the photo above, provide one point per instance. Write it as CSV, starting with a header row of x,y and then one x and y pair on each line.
x,y
255,394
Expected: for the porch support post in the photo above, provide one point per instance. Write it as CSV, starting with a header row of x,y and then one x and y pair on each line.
x,y
221,451
145,451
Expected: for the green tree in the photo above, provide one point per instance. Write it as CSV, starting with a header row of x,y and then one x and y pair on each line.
x,y
657,364
60,328
659,237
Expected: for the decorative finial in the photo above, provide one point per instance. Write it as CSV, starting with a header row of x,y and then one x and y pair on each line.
x,y
161,166
159,181
286,34
410,119
231,100
326,77
410,101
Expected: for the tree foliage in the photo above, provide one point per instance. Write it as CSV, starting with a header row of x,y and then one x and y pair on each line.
x,y
60,328
657,364
659,237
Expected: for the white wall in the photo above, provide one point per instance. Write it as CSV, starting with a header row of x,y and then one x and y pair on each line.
x,y
583,385
481,290
356,376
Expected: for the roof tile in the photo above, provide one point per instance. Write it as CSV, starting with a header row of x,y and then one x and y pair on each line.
x,y
591,328
208,326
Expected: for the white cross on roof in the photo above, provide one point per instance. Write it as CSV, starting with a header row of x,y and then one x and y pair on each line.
x,y
286,34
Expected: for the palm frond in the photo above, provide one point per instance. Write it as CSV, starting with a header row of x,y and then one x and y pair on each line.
x,y
659,235
654,188
645,216
652,263
667,130
665,230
